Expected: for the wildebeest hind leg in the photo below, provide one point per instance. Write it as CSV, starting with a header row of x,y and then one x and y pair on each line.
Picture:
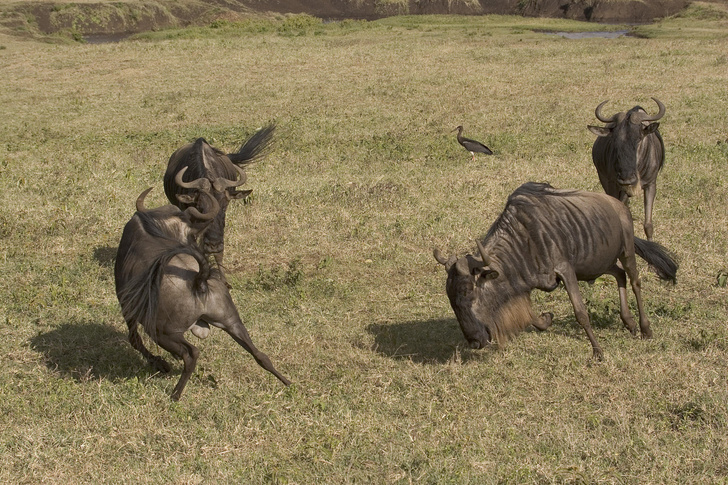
x,y
568,277
239,333
159,364
624,312
176,345
630,266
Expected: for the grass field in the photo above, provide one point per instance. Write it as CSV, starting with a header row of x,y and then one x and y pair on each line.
x,y
331,260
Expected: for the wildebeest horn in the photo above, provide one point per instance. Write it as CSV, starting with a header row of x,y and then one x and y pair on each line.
x,y
203,186
209,215
486,259
439,257
600,117
222,183
201,183
140,200
659,114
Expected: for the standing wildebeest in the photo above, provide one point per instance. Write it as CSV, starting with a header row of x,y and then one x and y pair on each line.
x,y
203,160
545,236
629,152
164,283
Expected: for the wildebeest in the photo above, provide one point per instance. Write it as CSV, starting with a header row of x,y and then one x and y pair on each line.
x,y
165,283
204,160
628,153
545,236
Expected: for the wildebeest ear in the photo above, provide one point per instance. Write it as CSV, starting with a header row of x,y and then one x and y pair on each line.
x,y
187,198
599,130
651,128
238,194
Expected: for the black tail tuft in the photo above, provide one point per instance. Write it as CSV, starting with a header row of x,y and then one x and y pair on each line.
x,y
255,147
659,259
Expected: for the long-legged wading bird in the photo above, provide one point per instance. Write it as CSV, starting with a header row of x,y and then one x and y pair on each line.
x,y
471,145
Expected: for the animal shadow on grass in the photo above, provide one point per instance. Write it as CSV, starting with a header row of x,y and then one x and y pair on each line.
x,y
424,342
88,350
105,256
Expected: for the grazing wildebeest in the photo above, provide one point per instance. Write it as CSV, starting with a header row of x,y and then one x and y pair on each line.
x,y
204,160
629,153
165,283
545,236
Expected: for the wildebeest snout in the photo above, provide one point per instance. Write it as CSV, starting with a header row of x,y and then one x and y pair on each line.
x,y
630,185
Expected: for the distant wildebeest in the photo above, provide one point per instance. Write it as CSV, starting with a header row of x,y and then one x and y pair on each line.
x,y
204,160
629,153
545,236
165,283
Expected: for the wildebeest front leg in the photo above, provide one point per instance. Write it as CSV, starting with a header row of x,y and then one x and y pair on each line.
x,y
218,261
176,345
568,277
624,312
649,193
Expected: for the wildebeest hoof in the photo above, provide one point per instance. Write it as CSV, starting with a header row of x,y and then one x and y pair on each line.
x,y
597,355
160,365
647,335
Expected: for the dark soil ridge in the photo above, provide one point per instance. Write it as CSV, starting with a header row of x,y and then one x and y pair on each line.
x,y
85,19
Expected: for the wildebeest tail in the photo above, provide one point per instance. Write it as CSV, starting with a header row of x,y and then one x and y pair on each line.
x,y
139,298
255,147
658,258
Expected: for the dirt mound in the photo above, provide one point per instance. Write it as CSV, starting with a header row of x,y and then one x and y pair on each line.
x,y
109,18
634,11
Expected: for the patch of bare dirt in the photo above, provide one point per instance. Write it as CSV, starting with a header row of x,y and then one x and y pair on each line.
x,y
107,18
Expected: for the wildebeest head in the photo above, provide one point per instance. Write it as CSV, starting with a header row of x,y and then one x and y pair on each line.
x,y
203,160
485,303
627,130
189,223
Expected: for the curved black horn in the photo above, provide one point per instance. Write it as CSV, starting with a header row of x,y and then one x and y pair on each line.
x,y
140,200
600,117
209,215
659,114
201,183
481,249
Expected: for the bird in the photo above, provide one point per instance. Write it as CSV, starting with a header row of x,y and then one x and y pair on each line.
x,y
471,145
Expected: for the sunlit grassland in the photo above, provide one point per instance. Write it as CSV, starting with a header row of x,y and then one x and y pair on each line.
x,y
331,260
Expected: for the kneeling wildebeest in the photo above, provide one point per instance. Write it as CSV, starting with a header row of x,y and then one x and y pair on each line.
x,y
545,236
164,283
203,160
629,153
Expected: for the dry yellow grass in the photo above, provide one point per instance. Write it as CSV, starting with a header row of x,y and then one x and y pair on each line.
x,y
331,261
